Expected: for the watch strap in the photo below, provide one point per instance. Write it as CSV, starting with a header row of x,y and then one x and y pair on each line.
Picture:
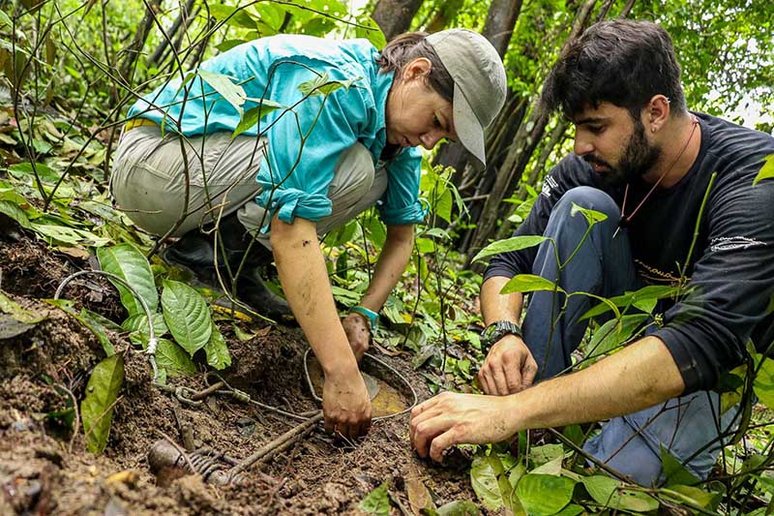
x,y
370,316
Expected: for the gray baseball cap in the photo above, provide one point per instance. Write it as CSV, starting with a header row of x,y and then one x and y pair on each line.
x,y
479,84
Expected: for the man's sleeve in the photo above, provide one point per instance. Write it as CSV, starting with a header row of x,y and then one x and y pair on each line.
x,y
305,144
572,171
400,204
730,290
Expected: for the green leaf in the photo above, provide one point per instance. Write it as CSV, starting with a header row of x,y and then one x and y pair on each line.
x,y
322,84
377,501
97,406
173,359
645,299
67,235
458,508
93,322
369,29
129,264
529,283
694,495
544,494
21,314
217,350
674,471
139,322
489,481
45,173
444,204
614,333
767,170
5,20
763,384
591,216
611,493
224,85
13,211
253,115
571,510
237,17
186,315
510,244
540,455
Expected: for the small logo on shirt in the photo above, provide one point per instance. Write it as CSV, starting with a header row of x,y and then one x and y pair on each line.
x,y
732,243
548,185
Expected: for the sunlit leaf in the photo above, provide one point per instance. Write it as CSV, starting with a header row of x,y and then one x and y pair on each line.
x,y
323,85
591,216
529,283
767,170
68,236
490,482
217,350
139,322
186,315
369,29
516,243
544,494
675,471
97,407
377,501
233,93
128,263
693,495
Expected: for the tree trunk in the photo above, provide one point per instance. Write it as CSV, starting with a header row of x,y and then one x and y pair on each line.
x,y
135,47
500,21
519,153
394,16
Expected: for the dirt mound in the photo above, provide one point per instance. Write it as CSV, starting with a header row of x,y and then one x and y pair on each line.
x,y
44,467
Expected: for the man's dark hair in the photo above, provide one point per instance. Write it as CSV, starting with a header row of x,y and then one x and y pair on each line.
x,y
623,62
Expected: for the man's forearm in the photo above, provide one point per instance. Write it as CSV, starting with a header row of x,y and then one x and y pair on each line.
x,y
639,376
499,307
304,279
390,266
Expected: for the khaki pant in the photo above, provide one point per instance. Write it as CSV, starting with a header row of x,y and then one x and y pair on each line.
x,y
149,181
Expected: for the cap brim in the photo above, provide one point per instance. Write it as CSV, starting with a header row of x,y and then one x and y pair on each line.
x,y
469,131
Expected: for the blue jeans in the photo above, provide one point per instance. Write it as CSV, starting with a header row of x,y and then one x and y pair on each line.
x,y
603,265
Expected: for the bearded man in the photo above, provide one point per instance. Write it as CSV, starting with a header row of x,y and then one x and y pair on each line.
x,y
681,207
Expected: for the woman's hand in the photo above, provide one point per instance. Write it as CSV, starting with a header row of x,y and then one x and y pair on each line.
x,y
453,418
346,407
358,333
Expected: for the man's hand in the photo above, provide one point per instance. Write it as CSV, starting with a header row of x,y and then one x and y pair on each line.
x,y
346,406
509,367
452,418
358,333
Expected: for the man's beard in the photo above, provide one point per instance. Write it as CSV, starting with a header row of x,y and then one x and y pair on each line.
x,y
637,159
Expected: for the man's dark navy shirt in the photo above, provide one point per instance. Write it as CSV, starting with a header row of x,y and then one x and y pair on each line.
x,y
730,274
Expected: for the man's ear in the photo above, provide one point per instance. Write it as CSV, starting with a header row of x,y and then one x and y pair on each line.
x,y
417,68
656,113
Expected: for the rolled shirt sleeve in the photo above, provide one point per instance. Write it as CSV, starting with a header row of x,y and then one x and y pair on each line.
x,y
400,203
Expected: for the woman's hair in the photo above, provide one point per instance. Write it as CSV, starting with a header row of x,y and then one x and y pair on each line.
x,y
412,45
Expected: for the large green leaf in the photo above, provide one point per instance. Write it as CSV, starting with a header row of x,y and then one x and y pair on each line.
x,y
645,299
610,493
377,501
544,494
674,470
516,243
763,385
767,170
692,495
614,333
233,93
529,283
129,264
97,406
13,211
173,359
139,322
492,484
186,315
67,235
367,28
253,115
217,350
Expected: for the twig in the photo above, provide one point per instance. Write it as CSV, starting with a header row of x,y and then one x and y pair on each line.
x,y
181,451
279,444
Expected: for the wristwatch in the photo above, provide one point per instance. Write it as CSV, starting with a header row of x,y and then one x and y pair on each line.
x,y
496,331
370,316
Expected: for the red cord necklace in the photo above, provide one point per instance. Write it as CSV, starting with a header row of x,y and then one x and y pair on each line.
x,y
626,219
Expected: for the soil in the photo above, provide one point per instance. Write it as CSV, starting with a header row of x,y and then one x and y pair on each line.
x,y
45,468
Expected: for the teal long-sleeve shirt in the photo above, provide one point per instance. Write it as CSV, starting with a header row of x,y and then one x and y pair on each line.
x,y
307,135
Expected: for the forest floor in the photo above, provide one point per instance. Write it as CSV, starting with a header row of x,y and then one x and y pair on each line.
x,y
45,469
